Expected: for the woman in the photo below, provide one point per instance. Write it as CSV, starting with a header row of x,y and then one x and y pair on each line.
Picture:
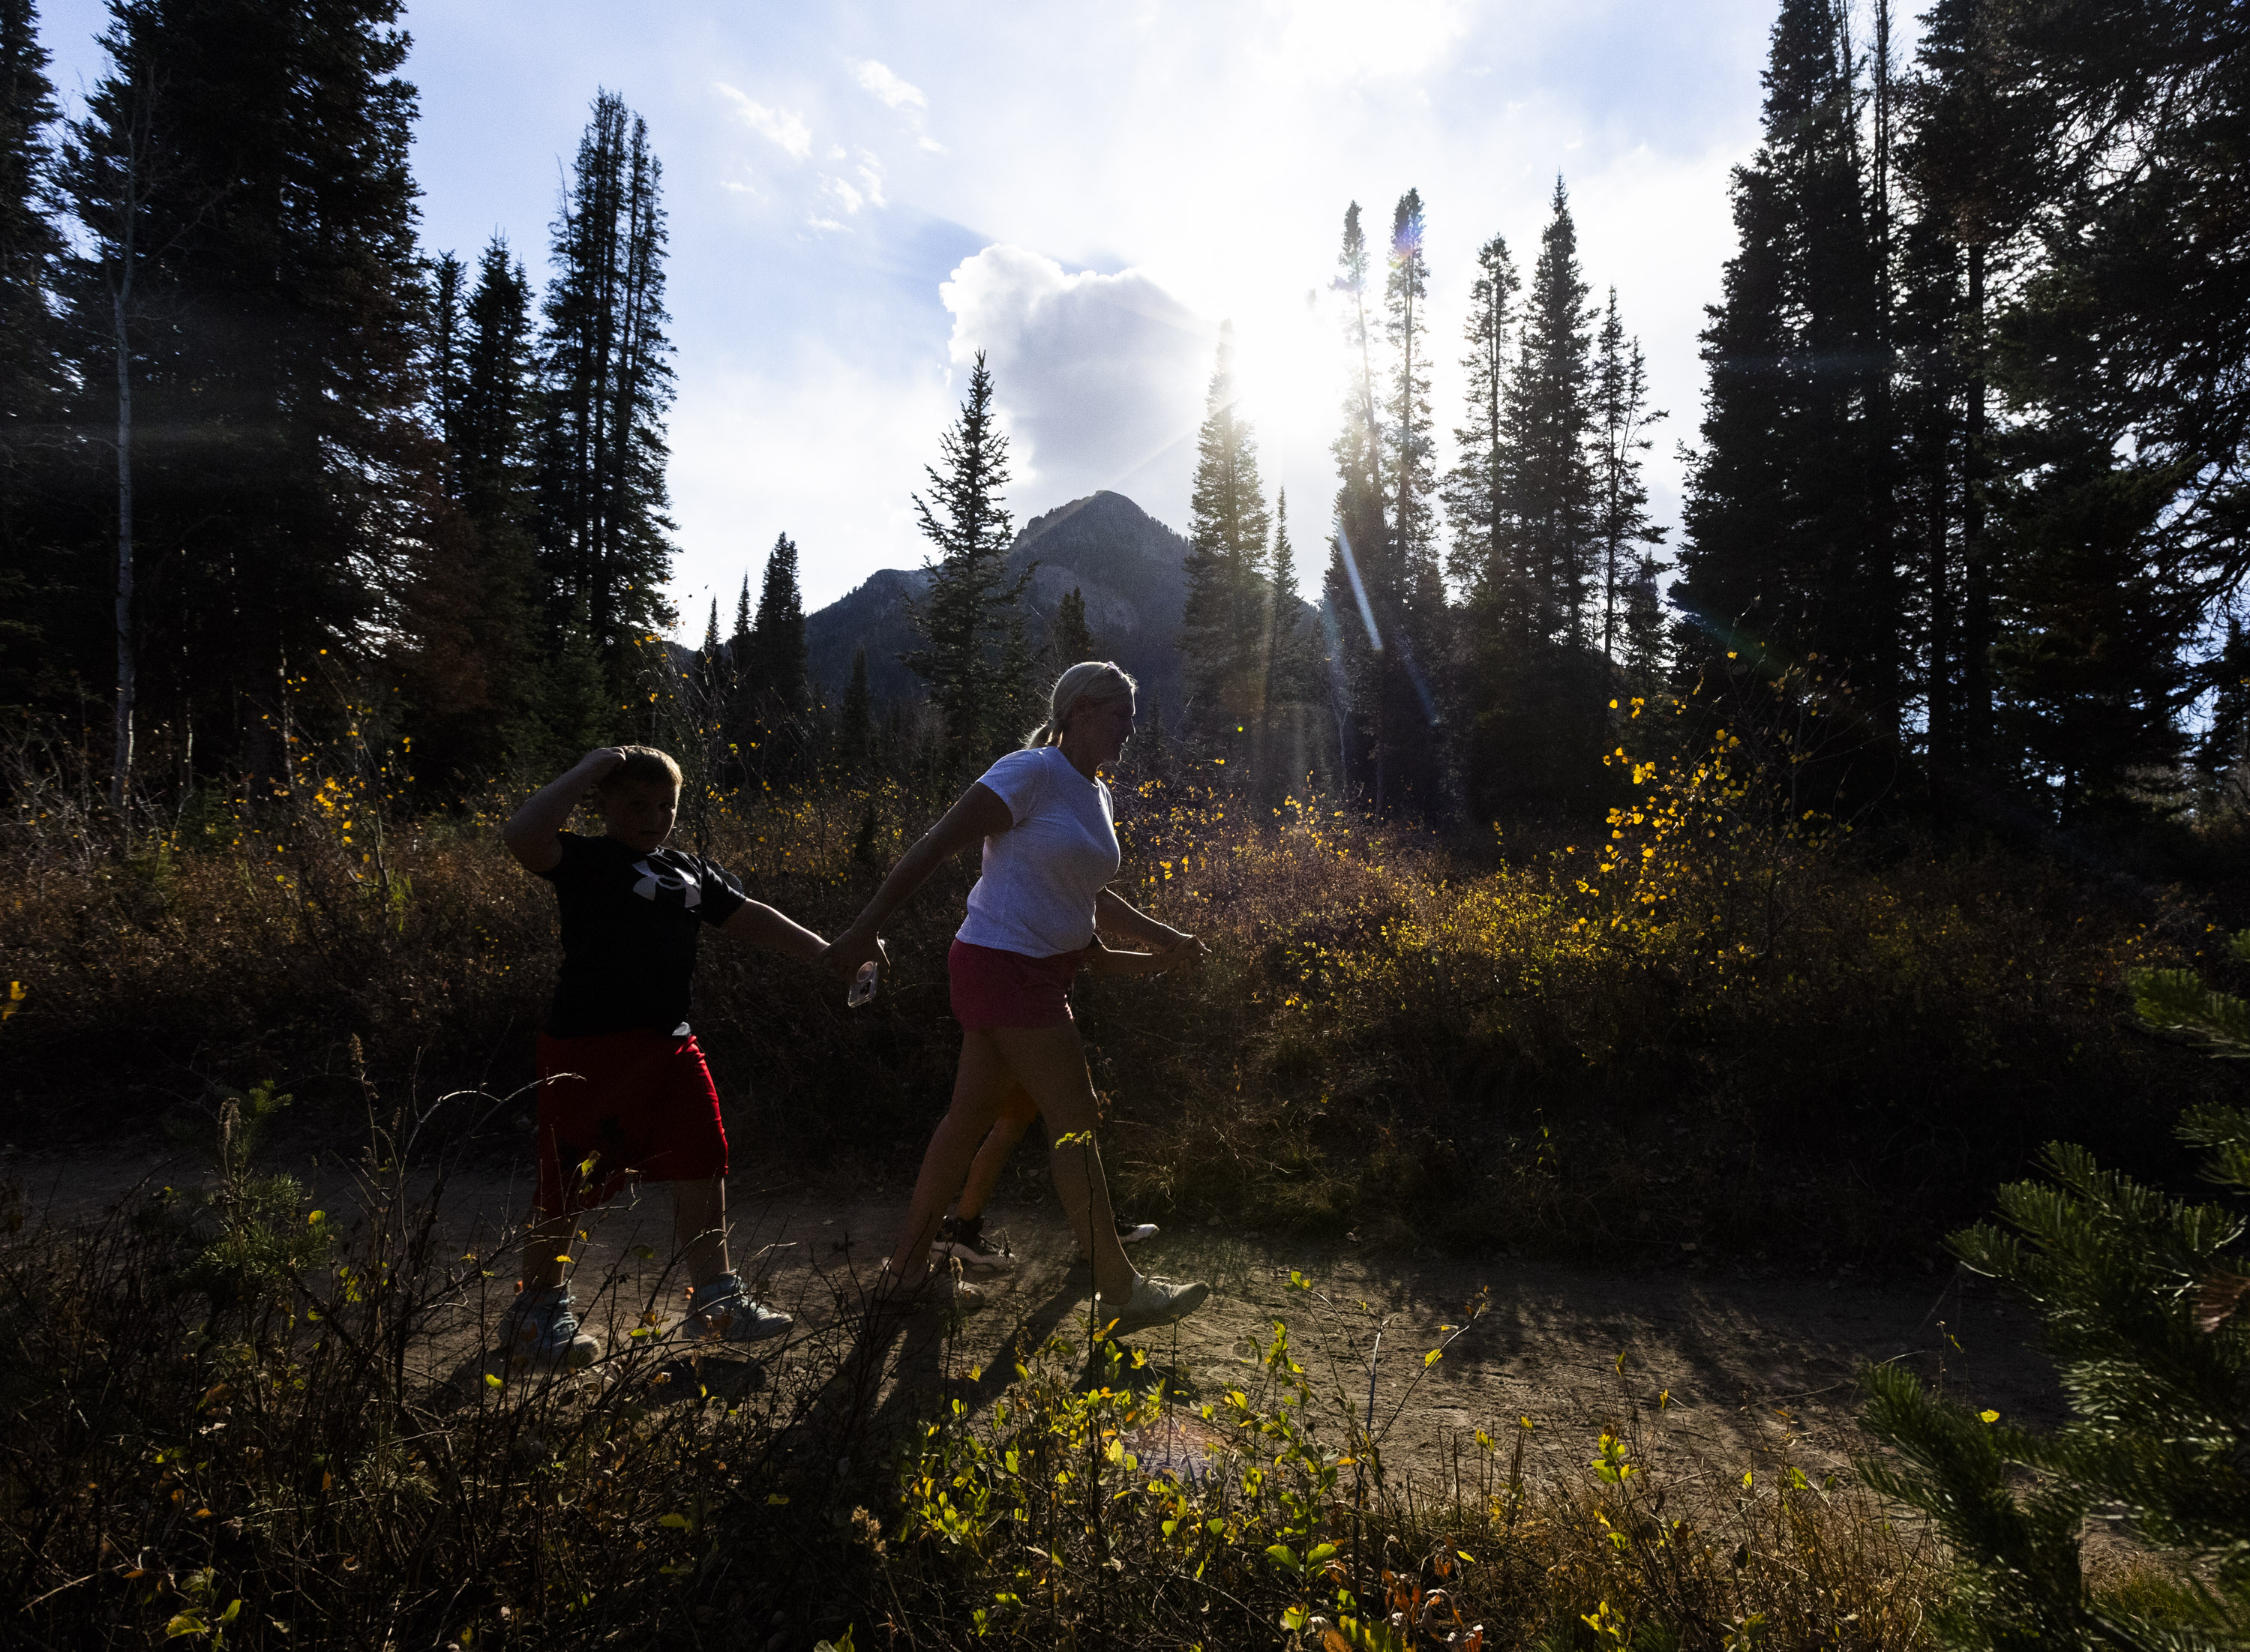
x,y
1050,849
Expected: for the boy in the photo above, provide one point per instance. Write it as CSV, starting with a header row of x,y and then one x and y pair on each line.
x,y
624,1090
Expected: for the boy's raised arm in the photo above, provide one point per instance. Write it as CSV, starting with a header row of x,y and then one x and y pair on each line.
x,y
531,832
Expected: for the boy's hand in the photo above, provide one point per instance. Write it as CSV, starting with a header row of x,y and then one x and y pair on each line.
x,y
602,762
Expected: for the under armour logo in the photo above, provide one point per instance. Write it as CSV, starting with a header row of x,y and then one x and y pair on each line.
x,y
660,877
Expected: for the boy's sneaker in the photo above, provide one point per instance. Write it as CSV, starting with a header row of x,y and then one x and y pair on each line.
x,y
1154,1302
723,1311
962,1239
540,1326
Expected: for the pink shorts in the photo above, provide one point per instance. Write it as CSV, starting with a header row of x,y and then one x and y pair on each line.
x,y
996,989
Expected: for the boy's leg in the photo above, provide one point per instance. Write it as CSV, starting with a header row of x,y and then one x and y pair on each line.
x,y
546,1250
699,1228
978,1084
1016,1112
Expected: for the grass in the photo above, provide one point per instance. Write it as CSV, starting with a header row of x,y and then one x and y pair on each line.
x,y
235,1418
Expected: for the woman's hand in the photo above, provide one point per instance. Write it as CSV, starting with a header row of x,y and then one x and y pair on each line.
x,y
1184,950
855,947
1101,960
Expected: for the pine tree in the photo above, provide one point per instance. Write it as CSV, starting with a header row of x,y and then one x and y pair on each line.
x,y
604,534
1411,592
1622,528
774,670
2224,755
32,387
243,166
2143,1295
1549,417
497,709
1477,490
1292,738
768,699
1791,524
1362,528
1074,641
969,619
1228,524
2091,655
855,731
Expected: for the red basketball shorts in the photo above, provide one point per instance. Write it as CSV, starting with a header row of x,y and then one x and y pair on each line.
x,y
996,989
617,1106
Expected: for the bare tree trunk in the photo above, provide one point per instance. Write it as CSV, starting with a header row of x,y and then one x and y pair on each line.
x,y
121,766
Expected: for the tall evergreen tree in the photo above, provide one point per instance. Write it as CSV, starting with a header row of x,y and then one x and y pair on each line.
x,y
1074,639
766,715
1362,528
32,365
1478,488
1535,687
506,705
969,618
243,166
604,534
1789,547
1623,531
1548,421
855,730
1228,524
1383,572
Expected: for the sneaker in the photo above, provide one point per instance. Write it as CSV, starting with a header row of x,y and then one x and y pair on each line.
x,y
962,1239
1133,1232
540,1326
1155,1302
943,1287
723,1311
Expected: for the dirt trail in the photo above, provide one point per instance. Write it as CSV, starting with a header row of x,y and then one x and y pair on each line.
x,y
1756,1370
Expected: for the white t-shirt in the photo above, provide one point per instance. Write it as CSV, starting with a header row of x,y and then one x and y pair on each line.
x,y
1036,895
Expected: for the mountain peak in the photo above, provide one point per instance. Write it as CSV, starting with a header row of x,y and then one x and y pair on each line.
x,y
1128,566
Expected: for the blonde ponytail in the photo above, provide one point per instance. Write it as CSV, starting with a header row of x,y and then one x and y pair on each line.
x,y
1091,682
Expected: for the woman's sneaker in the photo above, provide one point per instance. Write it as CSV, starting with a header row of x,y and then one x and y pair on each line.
x,y
539,1326
1154,1302
723,1311
962,1239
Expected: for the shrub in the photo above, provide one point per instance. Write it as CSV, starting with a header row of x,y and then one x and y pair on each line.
x,y
2141,1294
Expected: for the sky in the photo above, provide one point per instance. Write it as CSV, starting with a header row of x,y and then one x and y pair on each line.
x,y
862,196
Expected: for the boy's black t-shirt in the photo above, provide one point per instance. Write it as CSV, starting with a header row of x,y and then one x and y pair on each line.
x,y
629,927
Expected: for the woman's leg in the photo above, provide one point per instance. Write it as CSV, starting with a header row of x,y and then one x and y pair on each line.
x,y
979,1084
1017,1111
1050,1062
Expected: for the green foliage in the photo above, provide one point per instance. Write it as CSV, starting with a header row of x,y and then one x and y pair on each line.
x,y
973,655
2142,1295
247,1236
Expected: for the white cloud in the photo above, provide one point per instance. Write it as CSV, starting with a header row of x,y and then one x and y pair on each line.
x,y
877,78
760,451
784,126
1100,377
